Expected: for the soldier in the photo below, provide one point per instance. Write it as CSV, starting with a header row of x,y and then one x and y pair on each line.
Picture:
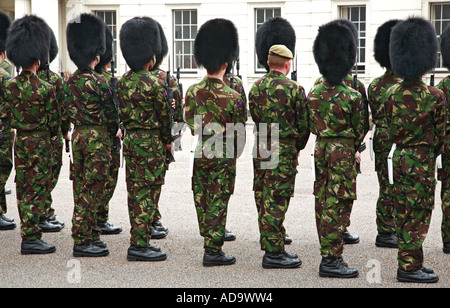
x,y
103,209
48,222
444,172
211,106
90,108
356,84
34,112
5,129
415,115
385,204
337,119
276,100
171,84
145,112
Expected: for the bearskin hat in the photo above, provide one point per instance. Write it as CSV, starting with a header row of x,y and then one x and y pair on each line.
x,y
275,31
414,47
164,46
382,42
216,43
140,41
5,23
445,47
351,26
107,56
53,50
28,41
85,39
334,51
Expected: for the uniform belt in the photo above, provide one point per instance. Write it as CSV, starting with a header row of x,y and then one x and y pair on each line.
x,y
344,140
94,127
152,131
33,132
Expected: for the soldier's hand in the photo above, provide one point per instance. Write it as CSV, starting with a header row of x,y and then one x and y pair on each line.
x,y
66,137
358,157
119,134
170,147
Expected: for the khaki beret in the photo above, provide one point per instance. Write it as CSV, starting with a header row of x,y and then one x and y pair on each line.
x,y
281,50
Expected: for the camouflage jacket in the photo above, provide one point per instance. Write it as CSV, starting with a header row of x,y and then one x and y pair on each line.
x,y
144,104
173,84
57,82
444,85
4,77
214,105
376,91
349,81
238,86
89,101
275,99
32,104
415,114
336,111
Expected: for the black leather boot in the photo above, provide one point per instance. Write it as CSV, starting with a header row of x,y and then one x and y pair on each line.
x,y
158,226
446,248
89,250
136,253
217,258
336,268
108,229
349,239
280,260
229,236
36,247
48,227
417,276
388,240
6,223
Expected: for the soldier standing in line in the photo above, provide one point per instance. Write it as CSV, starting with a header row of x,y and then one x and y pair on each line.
x,y
48,222
103,209
444,172
415,115
356,84
145,112
7,140
158,229
274,99
385,204
337,119
90,108
34,112
212,107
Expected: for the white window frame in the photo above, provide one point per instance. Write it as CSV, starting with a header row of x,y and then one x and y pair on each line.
x,y
433,19
176,58
258,68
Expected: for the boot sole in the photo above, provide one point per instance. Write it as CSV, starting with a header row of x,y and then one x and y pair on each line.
x,y
36,252
381,245
274,265
417,281
89,255
326,275
134,258
211,264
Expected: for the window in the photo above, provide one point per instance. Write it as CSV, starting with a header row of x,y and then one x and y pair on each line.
x,y
110,18
261,16
440,18
357,15
185,26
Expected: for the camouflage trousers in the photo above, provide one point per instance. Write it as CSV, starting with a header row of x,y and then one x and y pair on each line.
x,y
273,188
444,177
335,191
6,166
33,177
56,162
414,189
212,185
89,173
145,171
385,202
103,209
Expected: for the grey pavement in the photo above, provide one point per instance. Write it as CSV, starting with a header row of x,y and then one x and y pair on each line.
x,y
183,245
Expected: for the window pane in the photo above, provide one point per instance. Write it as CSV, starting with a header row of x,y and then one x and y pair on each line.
x,y
186,32
194,17
178,17
277,13
186,17
445,12
259,16
178,32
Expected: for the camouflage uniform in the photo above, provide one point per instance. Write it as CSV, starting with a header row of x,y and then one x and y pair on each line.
x,y
382,147
145,114
238,86
90,107
444,173
35,114
337,119
57,144
5,149
415,115
275,99
214,175
103,208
